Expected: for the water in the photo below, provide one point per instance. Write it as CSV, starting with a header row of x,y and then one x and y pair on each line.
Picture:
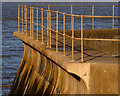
x,y
12,48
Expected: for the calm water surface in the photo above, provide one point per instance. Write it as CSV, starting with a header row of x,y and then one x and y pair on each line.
x,y
12,48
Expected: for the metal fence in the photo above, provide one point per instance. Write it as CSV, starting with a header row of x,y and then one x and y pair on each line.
x,y
26,17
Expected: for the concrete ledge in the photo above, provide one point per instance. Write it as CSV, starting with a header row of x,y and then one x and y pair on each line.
x,y
58,58
31,42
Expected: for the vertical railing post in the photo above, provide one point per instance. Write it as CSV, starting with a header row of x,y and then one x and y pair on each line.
x,y
50,26
32,22
47,28
93,17
72,27
37,23
71,16
71,9
48,7
42,22
18,18
64,34
49,32
82,39
56,31
26,19
22,18
113,16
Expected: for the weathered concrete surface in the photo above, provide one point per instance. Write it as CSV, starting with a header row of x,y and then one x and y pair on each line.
x,y
39,74
97,77
105,77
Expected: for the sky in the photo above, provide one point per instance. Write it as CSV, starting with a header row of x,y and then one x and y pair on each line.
x,y
60,0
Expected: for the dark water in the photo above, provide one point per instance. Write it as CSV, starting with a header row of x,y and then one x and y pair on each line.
x,y
12,48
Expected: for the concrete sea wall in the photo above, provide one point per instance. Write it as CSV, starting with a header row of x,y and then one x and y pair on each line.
x,y
42,71
45,71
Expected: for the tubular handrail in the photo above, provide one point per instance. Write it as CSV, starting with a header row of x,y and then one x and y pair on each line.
x,y
89,16
85,16
73,5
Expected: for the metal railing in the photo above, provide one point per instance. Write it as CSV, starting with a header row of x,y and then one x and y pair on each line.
x,y
30,20
92,8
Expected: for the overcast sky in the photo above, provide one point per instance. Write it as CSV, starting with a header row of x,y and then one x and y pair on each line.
x,y
60,0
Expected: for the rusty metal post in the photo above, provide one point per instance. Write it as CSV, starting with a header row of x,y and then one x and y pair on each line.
x,y
72,19
56,31
82,39
93,17
49,32
42,22
71,16
48,7
64,34
18,18
50,26
71,9
22,18
26,19
37,23
113,17
32,21
47,28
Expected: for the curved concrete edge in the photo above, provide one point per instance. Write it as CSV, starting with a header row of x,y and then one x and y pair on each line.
x,y
29,41
57,57
79,69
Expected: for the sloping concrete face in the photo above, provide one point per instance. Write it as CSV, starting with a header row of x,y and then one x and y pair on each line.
x,y
38,74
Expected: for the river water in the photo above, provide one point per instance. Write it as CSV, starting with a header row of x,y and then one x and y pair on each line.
x,y
12,48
